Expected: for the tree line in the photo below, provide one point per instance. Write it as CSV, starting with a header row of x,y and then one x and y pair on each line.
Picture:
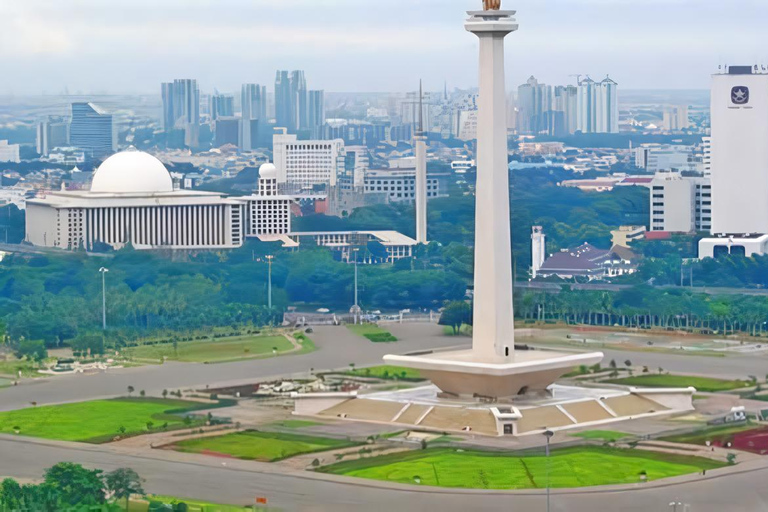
x,y
647,307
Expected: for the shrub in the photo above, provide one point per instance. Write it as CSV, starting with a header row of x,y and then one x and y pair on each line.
x,y
381,337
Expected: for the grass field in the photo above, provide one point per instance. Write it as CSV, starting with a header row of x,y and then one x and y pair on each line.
x,y
570,467
720,433
95,421
602,435
372,332
386,372
263,446
192,505
12,368
223,349
681,381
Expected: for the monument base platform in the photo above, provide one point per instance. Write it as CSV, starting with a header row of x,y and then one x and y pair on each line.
x,y
565,407
466,374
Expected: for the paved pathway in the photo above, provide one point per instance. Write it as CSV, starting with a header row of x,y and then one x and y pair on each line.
x,y
737,489
336,348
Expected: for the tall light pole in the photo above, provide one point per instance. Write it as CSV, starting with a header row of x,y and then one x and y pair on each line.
x,y
103,271
269,281
548,434
356,307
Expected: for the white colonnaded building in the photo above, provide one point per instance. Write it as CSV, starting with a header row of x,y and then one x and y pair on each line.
x,y
132,200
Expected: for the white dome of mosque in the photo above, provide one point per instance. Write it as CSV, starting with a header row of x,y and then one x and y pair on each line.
x,y
268,171
131,172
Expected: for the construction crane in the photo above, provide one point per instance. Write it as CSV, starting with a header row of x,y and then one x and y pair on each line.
x,y
578,78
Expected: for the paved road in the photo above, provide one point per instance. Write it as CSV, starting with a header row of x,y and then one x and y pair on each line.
x,y
238,482
731,366
337,347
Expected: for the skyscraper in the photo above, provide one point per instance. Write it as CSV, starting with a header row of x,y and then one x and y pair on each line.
x,y
546,109
299,91
533,101
181,109
291,101
598,106
285,105
316,112
253,104
52,133
222,105
92,130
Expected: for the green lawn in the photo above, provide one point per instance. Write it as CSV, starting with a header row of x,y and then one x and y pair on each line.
x,y
11,368
570,467
263,446
223,349
602,435
681,381
372,332
386,372
721,433
95,421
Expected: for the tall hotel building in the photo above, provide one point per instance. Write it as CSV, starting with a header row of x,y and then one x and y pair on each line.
x,y
132,201
598,106
739,163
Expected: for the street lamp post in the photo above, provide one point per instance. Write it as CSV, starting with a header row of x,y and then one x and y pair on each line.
x,y
548,435
269,281
355,250
103,271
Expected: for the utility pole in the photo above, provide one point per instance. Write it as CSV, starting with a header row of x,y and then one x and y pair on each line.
x,y
356,307
269,281
103,271
548,434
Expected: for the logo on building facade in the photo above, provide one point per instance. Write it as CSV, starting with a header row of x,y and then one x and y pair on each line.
x,y
740,95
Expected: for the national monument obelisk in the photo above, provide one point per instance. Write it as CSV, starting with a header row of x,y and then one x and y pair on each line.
x,y
492,369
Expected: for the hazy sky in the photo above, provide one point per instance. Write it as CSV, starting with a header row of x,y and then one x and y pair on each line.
x,y
127,46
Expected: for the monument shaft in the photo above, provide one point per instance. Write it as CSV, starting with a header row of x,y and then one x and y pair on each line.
x,y
493,325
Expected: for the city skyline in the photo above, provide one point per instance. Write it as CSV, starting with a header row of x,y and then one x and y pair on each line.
x,y
226,44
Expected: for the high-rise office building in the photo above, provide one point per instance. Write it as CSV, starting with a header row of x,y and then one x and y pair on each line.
x,y
316,112
181,109
222,105
92,130
543,109
9,152
253,104
305,163
291,101
739,147
675,118
532,104
53,132
739,163
299,91
227,131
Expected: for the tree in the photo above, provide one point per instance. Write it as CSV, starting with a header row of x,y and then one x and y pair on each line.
x,y
122,483
130,390
455,315
165,393
76,485
34,350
